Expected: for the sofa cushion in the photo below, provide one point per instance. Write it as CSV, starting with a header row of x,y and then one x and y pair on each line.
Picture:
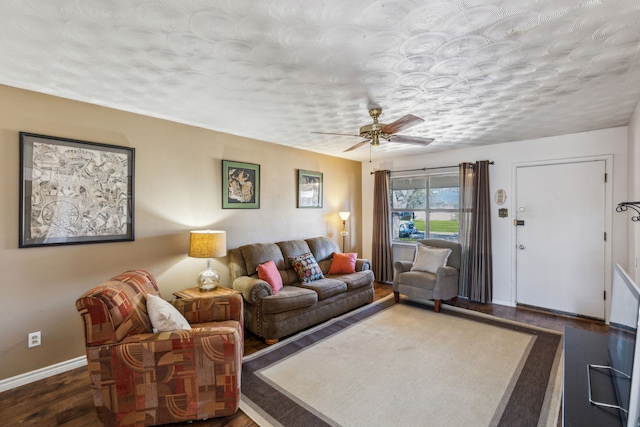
x,y
306,267
343,263
291,248
325,288
259,253
289,276
359,279
270,274
289,298
322,248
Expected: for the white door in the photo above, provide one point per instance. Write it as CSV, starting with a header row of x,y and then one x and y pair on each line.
x,y
561,246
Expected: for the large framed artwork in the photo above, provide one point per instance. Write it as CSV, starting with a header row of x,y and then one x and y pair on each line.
x,y
309,189
74,192
240,185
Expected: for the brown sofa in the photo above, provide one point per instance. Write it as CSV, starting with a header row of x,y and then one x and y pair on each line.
x,y
296,306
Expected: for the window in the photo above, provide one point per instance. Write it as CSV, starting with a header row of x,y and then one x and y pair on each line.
x,y
425,206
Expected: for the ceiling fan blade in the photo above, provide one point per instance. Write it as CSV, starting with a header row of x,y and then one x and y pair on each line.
x,y
358,145
403,139
402,123
339,134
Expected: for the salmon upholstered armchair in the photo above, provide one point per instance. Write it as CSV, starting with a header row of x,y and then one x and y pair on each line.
x,y
140,377
433,274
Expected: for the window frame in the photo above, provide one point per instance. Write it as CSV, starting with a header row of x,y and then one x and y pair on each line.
x,y
427,210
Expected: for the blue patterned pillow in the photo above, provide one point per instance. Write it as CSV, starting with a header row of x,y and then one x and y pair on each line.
x,y
306,267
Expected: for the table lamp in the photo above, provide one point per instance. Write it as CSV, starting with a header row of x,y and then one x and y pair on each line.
x,y
208,244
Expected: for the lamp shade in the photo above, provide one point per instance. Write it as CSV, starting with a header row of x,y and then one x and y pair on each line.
x,y
208,244
344,215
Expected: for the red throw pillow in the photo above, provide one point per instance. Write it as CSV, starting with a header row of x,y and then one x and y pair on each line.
x,y
270,274
343,263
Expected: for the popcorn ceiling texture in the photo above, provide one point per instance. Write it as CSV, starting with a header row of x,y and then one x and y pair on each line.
x,y
477,71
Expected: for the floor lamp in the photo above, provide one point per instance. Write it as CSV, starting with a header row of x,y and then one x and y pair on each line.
x,y
344,233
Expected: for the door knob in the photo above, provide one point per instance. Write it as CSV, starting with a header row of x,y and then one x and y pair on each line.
x,y
521,247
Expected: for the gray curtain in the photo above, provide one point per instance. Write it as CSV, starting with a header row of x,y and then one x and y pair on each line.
x,y
382,262
466,209
476,272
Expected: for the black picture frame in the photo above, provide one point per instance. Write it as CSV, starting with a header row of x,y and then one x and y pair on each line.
x,y
74,192
240,185
309,189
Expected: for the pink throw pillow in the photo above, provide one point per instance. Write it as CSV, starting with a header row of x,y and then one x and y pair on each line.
x,y
270,274
343,263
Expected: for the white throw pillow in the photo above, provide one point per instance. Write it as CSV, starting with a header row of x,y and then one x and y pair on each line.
x,y
429,258
164,317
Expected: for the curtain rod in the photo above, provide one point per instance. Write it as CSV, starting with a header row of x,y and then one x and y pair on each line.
x,y
426,169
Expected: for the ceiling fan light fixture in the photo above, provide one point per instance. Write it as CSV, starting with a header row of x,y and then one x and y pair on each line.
x,y
372,132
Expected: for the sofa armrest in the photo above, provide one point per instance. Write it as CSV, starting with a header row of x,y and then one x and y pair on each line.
x,y
363,264
252,289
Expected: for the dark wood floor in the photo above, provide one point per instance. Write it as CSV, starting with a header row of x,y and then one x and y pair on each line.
x,y
65,399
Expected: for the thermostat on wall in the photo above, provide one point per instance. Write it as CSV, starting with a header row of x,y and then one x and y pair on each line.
x,y
501,196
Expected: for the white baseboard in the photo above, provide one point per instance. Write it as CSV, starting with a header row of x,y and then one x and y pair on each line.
x,y
503,302
42,373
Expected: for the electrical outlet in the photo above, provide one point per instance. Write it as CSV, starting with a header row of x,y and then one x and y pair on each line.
x,y
34,339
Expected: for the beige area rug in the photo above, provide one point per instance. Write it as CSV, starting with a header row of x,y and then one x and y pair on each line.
x,y
405,365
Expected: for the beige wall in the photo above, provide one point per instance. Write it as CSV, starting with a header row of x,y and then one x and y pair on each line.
x,y
178,170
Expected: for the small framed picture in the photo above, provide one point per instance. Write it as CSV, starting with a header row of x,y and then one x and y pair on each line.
x,y
74,192
240,185
309,189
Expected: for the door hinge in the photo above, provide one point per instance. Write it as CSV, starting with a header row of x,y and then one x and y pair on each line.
x,y
605,177
605,295
605,236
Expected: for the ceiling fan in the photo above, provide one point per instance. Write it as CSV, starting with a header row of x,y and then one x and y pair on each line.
x,y
375,131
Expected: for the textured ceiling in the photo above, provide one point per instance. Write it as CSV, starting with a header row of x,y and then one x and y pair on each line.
x,y
477,71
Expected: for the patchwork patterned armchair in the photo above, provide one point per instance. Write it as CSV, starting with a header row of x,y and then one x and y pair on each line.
x,y
142,378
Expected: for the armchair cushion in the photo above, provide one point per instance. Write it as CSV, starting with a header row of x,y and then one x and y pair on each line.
x,y
343,263
430,259
164,317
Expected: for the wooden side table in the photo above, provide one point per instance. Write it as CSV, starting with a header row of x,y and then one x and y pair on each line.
x,y
195,292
